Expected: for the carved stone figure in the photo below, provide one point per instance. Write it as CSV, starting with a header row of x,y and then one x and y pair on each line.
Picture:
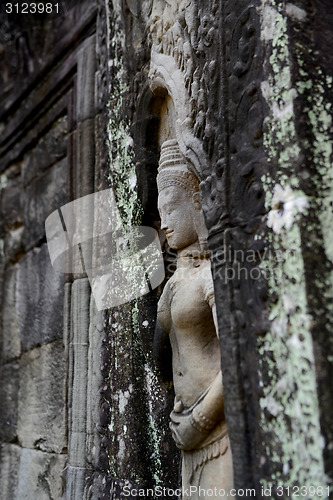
x,y
186,319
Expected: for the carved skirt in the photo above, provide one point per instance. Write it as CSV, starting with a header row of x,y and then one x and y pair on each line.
x,y
207,472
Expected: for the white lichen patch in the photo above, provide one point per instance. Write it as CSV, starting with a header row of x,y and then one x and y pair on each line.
x,y
296,13
3,181
123,397
121,449
289,303
268,20
285,206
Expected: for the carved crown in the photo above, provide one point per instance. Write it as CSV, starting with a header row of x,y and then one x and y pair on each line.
x,y
173,170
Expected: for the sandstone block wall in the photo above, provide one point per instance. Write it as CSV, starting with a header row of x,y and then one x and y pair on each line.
x,y
33,367
35,177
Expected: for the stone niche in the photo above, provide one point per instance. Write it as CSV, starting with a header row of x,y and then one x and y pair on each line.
x,y
183,162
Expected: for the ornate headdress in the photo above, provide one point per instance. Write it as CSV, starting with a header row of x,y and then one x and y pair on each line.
x,y
173,170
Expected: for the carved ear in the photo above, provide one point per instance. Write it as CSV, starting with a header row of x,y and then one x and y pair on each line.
x,y
196,200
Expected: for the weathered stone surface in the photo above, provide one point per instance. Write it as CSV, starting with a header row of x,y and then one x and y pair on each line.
x,y
13,243
40,476
41,407
78,349
11,202
86,81
10,338
95,382
2,274
78,373
85,146
31,43
44,194
39,299
9,382
75,482
245,76
51,148
9,466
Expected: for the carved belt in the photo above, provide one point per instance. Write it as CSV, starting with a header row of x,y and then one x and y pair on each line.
x,y
199,457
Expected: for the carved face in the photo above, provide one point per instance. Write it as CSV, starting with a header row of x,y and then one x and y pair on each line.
x,y
177,211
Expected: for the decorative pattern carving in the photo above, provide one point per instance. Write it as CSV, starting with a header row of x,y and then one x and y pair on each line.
x,y
185,35
233,202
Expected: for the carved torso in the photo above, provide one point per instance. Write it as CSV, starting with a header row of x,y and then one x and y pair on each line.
x,y
185,312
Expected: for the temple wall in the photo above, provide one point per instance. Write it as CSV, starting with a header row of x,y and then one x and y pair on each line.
x,y
86,99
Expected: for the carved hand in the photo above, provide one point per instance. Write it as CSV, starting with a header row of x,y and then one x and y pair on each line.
x,y
186,435
190,427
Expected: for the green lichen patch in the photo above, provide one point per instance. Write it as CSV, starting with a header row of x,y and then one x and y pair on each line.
x,y
134,452
290,406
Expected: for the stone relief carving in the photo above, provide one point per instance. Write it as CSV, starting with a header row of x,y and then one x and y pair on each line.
x,y
187,319
218,125
165,74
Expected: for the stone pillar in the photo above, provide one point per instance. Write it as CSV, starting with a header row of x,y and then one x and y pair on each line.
x,y
78,369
